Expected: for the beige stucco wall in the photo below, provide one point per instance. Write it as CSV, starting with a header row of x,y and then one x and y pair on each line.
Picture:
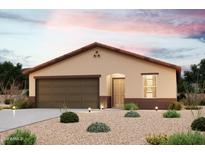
x,y
109,63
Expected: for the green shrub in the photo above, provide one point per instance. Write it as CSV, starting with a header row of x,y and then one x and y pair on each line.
x,y
190,138
171,114
157,139
175,106
69,117
202,102
198,124
98,127
131,106
20,137
8,101
132,114
192,107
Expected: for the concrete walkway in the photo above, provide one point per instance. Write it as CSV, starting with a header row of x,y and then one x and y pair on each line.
x,y
28,116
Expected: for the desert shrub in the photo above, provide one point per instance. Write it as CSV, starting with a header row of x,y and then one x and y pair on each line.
x,y
171,114
198,124
8,101
20,137
192,107
69,117
190,138
202,102
191,99
98,127
131,106
132,114
20,104
157,139
175,106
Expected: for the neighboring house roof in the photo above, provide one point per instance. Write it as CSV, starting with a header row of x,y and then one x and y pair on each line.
x,y
25,69
96,44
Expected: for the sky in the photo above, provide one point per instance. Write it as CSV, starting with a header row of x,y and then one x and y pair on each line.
x,y
31,37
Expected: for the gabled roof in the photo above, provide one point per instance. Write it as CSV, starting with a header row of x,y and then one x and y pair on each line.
x,y
96,44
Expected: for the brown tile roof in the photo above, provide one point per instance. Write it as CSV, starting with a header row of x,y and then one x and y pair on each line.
x,y
96,44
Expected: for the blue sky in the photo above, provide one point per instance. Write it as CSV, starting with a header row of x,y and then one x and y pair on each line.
x,y
35,36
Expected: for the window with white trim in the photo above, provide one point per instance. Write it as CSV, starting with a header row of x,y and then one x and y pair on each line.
x,y
150,85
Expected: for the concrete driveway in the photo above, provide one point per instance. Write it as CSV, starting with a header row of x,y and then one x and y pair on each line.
x,y
28,116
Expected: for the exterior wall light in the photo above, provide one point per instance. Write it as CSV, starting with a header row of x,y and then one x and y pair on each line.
x,y
89,109
101,107
156,108
14,110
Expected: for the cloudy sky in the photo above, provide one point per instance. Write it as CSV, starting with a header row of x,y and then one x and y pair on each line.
x,y
35,36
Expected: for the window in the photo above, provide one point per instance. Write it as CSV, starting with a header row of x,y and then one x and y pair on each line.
x,y
150,85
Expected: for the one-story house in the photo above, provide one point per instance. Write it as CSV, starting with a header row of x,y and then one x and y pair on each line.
x,y
100,75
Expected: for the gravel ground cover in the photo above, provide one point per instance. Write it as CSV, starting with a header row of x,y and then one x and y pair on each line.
x,y
123,130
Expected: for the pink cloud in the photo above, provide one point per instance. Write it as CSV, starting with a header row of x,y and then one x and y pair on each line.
x,y
63,20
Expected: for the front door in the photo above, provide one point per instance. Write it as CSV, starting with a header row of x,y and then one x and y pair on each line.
x,y
118,92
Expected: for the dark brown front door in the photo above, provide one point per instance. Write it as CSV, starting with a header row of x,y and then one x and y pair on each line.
x,y
71,92
118,92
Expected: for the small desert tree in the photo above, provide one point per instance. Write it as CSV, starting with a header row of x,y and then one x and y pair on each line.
x,y
12,80
12,90
192,100
10,73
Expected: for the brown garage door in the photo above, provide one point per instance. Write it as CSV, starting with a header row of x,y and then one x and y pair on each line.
x,y
72,92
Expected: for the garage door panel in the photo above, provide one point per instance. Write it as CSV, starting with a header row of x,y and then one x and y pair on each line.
x,y
75,93
53,91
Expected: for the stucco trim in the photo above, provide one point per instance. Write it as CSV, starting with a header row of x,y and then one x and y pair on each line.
x,y
149,73
96,44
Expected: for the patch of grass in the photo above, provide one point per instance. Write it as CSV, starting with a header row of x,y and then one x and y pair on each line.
x,y
20,137
98,127
157,139
198,124
190,138
132,114
131,106
69,117
171,114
